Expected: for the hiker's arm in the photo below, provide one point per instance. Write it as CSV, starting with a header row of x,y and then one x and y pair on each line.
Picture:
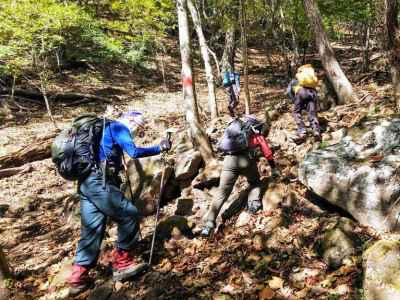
x,y
267,152
123,138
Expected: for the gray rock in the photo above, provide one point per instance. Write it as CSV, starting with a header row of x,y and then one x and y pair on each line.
x,y
298,279
274,196
187,164
361,178
209,176
243,219
382,271
338,135
338,243
145,179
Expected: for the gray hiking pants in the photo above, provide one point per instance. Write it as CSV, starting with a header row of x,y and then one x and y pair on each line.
x,y
234,165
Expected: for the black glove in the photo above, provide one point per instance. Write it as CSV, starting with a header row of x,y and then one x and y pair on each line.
x,y
165,145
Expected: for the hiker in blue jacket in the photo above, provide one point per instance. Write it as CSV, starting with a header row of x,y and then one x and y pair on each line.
x,y
101,197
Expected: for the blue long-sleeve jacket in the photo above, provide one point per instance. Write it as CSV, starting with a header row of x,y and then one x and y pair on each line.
x,y
117,139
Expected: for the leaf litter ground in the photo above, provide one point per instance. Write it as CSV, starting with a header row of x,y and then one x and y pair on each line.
x,y
271,256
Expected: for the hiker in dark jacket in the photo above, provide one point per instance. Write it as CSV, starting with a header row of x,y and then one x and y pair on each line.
x,y
101,197
304,98
241,163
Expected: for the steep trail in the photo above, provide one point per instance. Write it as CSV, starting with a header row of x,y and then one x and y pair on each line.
x,y
271,254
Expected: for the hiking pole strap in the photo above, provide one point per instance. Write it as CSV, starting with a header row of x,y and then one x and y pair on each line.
x,y
104,164
158,210
104,175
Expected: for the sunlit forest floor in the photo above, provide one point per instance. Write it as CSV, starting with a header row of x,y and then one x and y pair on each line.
x,y
271,255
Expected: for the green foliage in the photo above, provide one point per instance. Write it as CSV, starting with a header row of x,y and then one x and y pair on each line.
x,y
36,32
141,24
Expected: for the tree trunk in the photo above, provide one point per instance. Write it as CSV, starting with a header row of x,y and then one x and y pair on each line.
x,y
367,34
341,84
228,57
393,45
4,173
212,102
198,136
4,274
46,100
243,24
38,151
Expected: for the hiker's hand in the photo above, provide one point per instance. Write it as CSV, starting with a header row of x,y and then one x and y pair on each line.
x,y
275,173
165,145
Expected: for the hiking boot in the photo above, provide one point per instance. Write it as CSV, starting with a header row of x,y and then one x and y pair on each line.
x,y
124,266
79,280
299,138
254,206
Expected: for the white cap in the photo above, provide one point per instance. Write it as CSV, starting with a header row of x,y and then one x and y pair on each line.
x,y
134,117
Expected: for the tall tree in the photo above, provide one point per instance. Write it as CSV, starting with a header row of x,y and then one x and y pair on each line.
x,y
228,56
393,45
198,136
243,25
212,102
340,83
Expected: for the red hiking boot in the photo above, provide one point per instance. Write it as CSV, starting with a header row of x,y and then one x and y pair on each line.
x,y
78,280
124,266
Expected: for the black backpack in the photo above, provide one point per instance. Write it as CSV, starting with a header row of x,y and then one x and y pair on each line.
x,y
75,150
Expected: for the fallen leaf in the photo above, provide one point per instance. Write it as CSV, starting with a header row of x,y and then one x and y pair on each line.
x,y
166,266
258,243
213,260
188,282
327,283
229,289
247,278
303,293
222,297
118,286
275,283
253,258
266,294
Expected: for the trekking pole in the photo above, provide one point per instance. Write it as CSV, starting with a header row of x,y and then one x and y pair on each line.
x,y
158,201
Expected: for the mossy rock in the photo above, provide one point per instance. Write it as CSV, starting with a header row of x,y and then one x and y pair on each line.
x,y
338,242
382,271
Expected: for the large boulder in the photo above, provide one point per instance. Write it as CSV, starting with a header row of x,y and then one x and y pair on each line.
x,y
187,164
360,177
145,180
382,271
